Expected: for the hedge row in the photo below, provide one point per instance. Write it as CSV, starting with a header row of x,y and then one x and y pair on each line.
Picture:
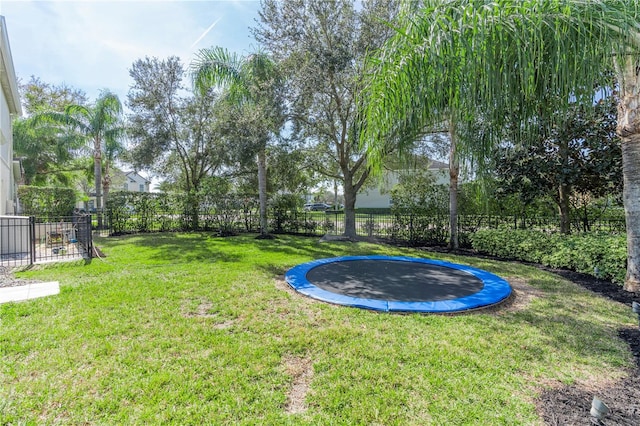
x,y
598,254
47,202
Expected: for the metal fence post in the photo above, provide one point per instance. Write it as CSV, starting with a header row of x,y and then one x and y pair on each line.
x,y
32,238
411,228
89,237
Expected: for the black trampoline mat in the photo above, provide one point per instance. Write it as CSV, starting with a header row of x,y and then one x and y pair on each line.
x,y
394,280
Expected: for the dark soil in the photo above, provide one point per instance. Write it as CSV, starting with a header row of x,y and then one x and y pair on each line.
x,y
571,405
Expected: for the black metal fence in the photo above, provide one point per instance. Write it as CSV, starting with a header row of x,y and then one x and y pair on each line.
x,y
25,240
406,228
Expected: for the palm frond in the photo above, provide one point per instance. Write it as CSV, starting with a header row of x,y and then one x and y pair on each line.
x,y
215,67
460,59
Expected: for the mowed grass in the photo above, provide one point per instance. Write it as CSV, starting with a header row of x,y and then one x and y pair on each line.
x,y
195,329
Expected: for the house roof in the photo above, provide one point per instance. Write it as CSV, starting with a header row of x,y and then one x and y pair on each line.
x,y
438,165
8,79
135,176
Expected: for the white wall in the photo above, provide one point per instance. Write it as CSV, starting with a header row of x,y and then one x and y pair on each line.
x,y
6,157
133,183
9,104
14,235
380,196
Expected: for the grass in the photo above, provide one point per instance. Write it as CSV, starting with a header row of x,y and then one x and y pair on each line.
x,y
194,329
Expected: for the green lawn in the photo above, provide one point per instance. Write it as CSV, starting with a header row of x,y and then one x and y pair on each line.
x,y
195,329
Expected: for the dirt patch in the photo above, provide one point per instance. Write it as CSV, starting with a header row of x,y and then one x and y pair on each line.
x,y
521,295
223,325
202,311
281,284
7,279
205,309
301,371
571,405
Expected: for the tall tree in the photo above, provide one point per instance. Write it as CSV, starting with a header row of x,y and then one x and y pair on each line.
x,y
99,124
252,86
581,155
39,96
47,154
322,46
174,131
505,55
47,151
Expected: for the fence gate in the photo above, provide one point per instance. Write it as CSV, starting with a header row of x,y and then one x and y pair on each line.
x,y
83,234
25,240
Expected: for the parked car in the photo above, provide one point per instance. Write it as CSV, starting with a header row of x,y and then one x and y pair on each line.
x,y
316,207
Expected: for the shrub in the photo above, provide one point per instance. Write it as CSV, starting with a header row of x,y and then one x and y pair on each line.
x,y
310,226
47,202
370,226
597,254
328,225
285,209
419,230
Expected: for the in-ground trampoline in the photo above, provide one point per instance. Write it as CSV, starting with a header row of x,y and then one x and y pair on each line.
x,y
398,284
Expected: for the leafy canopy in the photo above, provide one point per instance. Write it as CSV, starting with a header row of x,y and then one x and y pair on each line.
x,y
457,59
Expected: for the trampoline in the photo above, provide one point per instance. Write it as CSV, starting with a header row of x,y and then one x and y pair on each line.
x,y
398,284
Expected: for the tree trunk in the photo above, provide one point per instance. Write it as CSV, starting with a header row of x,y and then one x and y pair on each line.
x,y
454,173
349,207
564,207
262,191
629,132
106,183
631,195
97,174
564,190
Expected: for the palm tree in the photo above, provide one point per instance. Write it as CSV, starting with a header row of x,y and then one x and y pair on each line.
x,y
501,57
251,85
48,154
99,124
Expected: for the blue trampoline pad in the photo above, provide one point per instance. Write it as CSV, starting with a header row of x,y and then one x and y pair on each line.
x,y
398,284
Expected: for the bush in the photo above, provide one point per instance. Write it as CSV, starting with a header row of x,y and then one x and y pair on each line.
x,y
418,230
597,254
47,202
285,209
148,212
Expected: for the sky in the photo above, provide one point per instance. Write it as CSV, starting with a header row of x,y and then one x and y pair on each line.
x,y
91,45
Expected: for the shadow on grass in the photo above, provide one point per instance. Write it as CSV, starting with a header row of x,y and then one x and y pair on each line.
x,y
568,322
313,248
179,248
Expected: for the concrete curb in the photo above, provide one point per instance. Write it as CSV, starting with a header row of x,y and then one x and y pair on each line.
x,y
29,291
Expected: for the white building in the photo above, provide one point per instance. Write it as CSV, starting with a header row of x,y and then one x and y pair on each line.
x,y
10,171
14,230
380,195
136,183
